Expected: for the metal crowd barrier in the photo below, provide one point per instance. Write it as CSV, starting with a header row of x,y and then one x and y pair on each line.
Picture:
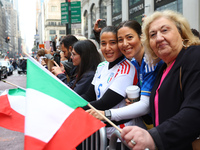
x,y
97,141
113,141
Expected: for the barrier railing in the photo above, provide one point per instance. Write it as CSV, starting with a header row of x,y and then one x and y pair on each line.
x,y
97,141
113,141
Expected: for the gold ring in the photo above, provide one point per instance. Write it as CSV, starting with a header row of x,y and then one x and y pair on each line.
x,y
133,142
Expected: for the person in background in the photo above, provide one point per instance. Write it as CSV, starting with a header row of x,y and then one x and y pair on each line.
x,y
108,88
23,65
68,69
129,43
175,96
85,57
40,57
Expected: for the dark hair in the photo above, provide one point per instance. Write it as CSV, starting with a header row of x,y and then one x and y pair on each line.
x,y
195,32
131,24
112,29
90,57
41,52
68,41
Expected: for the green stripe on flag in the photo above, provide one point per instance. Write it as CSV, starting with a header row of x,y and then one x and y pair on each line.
x,y
40,80
17,92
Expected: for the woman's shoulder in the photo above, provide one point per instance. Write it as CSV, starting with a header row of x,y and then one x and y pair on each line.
x,y
148,65
189,57
89,73
103,63
192,52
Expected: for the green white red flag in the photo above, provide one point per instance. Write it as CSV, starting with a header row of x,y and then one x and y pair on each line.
x,y
54,119
12,109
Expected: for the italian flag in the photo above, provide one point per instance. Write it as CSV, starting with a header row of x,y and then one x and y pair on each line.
x,y
12,109
54,119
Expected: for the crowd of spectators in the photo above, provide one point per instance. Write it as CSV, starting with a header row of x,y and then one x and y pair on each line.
x,y
149,56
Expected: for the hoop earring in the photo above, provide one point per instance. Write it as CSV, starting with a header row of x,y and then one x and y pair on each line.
x,y
185,46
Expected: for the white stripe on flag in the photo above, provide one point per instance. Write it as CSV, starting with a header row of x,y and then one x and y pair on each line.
x,y
18,103
44,115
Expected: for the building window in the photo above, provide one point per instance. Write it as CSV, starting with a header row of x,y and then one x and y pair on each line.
x,y
62,32
103,10
116,12
132,2
116,7
93,15
176,5
136,10
85,22
52,31
53,8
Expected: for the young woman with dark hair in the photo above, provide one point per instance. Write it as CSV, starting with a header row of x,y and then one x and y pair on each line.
x,y
86,57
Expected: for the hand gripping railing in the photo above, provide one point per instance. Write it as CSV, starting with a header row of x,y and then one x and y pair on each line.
x,y
113,141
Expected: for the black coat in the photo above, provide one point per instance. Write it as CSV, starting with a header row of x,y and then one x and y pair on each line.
x,y
179,110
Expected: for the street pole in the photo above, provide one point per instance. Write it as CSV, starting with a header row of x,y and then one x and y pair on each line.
x,y
68,25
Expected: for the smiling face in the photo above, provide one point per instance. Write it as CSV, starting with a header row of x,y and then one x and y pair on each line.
x,y
129,43
165,39
109,46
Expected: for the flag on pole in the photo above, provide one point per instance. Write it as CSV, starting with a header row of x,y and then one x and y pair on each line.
x,y
12,109
54,119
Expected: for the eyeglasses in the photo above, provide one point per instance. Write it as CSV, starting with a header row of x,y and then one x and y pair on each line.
x,y
73,54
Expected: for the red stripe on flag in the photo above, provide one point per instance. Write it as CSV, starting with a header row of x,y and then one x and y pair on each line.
x,y
76,128
9,118
31,143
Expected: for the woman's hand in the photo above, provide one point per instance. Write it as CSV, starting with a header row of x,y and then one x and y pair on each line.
x,y
95,114
141,137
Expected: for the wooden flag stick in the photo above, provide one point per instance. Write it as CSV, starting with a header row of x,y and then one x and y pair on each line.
x,y
13,84
109,121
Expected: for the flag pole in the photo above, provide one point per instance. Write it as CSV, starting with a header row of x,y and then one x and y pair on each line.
x,y
13,84
105,118
109,121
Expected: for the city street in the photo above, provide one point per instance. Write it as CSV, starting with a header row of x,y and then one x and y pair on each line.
x,y
11,140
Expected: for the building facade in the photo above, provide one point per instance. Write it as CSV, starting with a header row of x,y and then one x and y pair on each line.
x,y
116,11
52,20
9,27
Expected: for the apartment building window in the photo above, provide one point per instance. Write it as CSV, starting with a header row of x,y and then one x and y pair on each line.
x,y
52,31
103,10
53,8
62,32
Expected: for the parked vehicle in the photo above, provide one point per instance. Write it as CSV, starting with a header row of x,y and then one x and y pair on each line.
x,y
10,68
3,72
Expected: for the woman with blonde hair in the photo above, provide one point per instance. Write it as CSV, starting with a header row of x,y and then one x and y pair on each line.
x,y
175,96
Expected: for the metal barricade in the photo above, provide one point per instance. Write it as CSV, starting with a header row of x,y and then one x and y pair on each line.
x,y
113,141
97,141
